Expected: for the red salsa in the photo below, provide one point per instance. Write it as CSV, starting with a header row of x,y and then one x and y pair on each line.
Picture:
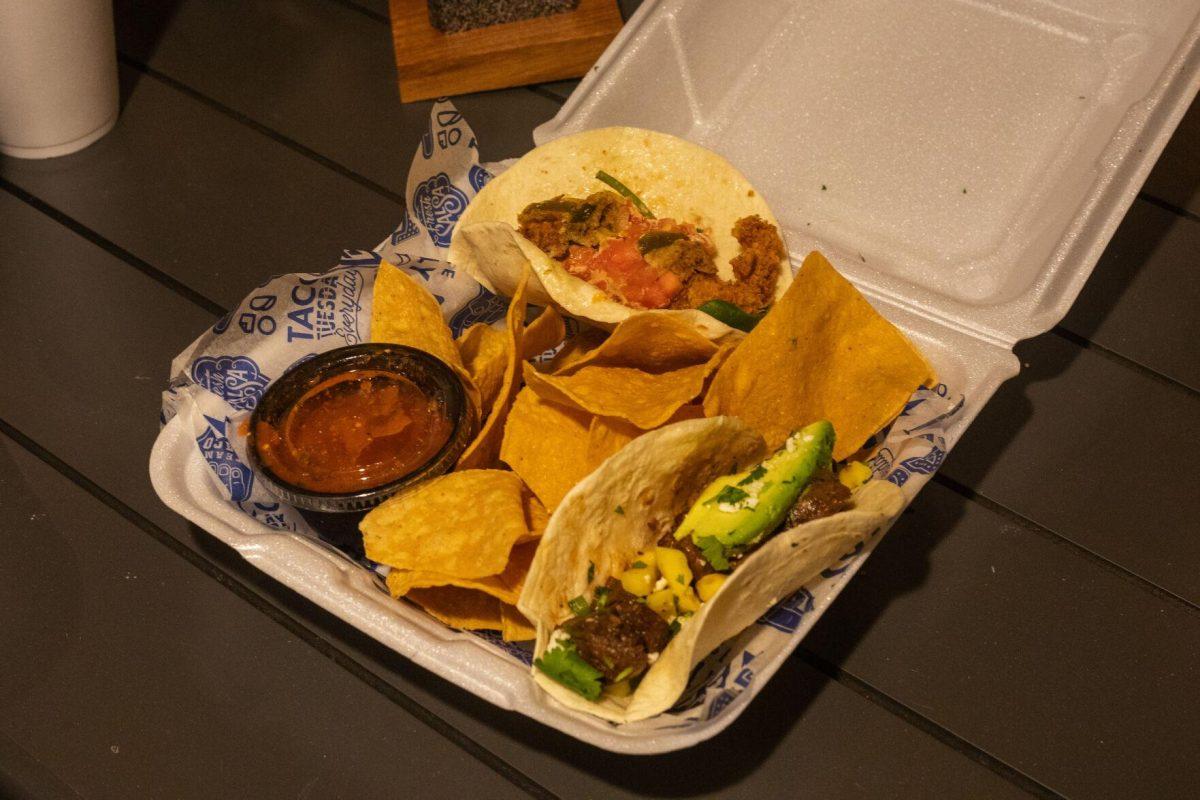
x,y
352,432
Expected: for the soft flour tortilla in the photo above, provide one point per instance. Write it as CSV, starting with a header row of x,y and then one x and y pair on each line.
x,y
675,178
655,478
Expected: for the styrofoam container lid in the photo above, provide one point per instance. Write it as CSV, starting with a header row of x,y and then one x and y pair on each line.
x,y
968,160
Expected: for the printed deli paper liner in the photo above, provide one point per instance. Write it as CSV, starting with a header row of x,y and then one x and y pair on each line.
x,y
217,381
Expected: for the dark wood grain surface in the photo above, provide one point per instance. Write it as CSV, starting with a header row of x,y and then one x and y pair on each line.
x,y
1031,626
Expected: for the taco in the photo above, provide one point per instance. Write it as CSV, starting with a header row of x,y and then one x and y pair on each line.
x,y
616,221
678,542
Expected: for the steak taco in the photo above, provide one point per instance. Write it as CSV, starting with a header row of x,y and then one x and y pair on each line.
x,y
678,542
616,221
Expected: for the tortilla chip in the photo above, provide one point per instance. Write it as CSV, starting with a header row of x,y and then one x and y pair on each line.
x,y
536,518
484,353
460,608
401,582
513,577
543,333
484,451
653,343
462,524
404,312
505,587
577,348
513,625
822,352
607,435
642,398
546,444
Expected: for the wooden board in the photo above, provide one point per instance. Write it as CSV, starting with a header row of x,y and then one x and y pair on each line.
x,y
432,64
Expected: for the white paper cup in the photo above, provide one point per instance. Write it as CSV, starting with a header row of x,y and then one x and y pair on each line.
x,y
58,76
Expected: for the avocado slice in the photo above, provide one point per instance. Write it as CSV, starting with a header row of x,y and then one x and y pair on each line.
x,y
735,511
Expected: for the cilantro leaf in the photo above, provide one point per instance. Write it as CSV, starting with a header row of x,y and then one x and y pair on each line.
x,y
619,510
578,605
730,494
713,552
564,665
754,475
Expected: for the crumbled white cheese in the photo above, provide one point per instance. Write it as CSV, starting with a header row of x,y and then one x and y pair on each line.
x,y
558,637
652,657
749,501
660,584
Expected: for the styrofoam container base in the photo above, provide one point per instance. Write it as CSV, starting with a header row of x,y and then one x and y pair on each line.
x,y
721,687
964,162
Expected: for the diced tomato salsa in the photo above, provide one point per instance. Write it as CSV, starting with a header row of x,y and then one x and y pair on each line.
x,y
619,268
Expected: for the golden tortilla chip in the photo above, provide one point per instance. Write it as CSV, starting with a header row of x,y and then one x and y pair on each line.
x,y
505,587
484,353
543,333
546,444
483,452
579,346
822,352
462,524
513,577
513,625
607,435
536,518
401,582
653,343
404,312
642,398
460,608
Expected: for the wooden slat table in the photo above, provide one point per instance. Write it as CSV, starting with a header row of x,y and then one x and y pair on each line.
x,y
1031,626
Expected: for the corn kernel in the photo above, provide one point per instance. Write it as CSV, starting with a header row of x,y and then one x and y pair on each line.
x,y
707,586
638,581
673,565
662,603
688,602
854,475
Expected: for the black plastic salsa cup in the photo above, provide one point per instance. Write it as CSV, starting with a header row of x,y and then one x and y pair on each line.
x,y
335,515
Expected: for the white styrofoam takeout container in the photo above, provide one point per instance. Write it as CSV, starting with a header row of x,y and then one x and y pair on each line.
x,y
964,162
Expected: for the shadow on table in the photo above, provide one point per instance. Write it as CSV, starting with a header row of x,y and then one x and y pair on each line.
x,y
140,25
900,565
1046,357
1133,245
